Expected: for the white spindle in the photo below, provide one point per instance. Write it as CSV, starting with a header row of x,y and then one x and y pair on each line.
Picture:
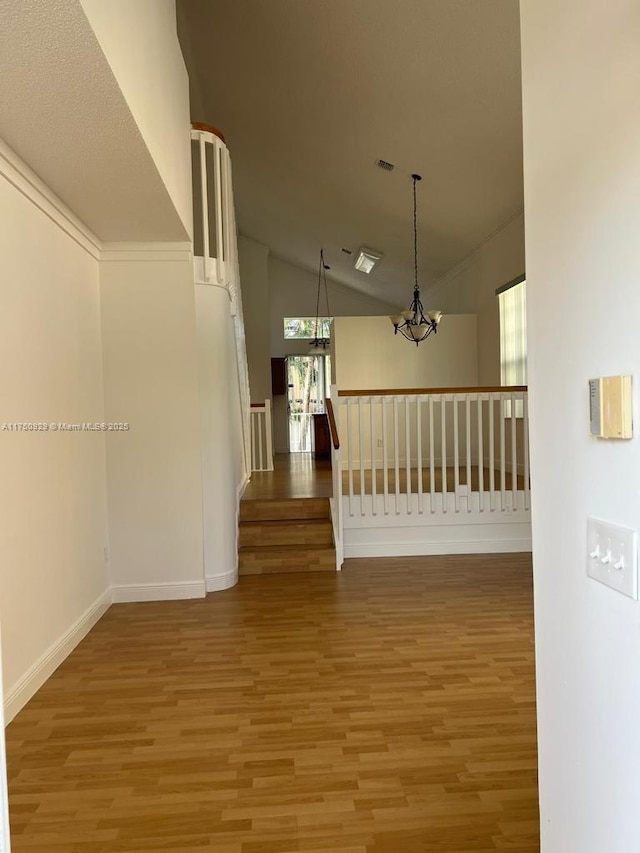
x,y
503,467
443,450
385,459
514,454
407,451
350,456
361,449
480,456
456,455
492,454
432,461
268,419
525,430
396,454
260,450
374,485
218,180
419,453
468,437
205,207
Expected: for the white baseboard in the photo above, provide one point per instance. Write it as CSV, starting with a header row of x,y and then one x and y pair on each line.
x,y
126,593
428,549
220,582
18,695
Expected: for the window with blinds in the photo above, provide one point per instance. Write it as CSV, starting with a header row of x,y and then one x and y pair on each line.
x,y
513,337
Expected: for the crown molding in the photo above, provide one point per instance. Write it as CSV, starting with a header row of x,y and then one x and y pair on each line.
x,y
20,176
123,251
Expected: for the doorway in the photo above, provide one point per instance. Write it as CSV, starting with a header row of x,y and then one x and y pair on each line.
x,y
308,384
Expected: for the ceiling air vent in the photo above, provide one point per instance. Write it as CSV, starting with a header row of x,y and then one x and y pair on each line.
x,y
385,165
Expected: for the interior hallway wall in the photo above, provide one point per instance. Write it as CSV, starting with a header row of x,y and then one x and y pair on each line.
x,y
470,288
151,383
581,76
53,501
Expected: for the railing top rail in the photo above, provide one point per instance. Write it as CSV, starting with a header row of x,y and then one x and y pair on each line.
x,y
332,425
258,405
486,389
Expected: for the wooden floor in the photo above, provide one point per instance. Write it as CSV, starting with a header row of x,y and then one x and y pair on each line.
x,y
295,475
389,708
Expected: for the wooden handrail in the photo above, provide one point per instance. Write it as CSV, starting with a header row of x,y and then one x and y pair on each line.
x,y
332,425
382,392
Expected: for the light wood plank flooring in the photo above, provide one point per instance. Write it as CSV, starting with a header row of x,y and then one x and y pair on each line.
x,y
386,709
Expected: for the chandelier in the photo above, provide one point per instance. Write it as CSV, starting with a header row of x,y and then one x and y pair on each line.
x,y
414,324
320,343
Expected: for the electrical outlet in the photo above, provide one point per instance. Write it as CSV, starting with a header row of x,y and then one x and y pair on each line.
x,y
379,442
105,552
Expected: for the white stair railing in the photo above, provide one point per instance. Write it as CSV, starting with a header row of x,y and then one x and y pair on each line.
x,y
441,450
261,437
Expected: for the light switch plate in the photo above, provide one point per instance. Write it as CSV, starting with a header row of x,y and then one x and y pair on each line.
x,y
612,556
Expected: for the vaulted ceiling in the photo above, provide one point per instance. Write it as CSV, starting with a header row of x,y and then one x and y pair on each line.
x,y
311,93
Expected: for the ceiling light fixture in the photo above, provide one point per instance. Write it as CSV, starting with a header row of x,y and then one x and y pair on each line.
x,y
320,343
414,324
367,259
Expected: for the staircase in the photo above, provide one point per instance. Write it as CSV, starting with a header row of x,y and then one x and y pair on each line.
x,y
285,535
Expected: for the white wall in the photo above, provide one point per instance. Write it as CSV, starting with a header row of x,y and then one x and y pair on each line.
x,y
471,288
221,435
254,276
151,382
581,72
53,500
140,42
368,355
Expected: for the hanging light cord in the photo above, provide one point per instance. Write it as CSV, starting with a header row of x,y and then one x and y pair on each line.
x,y
326,290
320,269
415,234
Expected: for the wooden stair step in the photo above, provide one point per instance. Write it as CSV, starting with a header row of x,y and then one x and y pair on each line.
x,y
286,558
284,508
310,531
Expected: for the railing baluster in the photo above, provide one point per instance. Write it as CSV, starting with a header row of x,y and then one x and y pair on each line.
x,y
267,415
350,456
205,207
492,454
503,467
443,450
480,455
374,508
468,437
361,453
396,454
419,453
456,455
525,430
432,461
260,454
407,452
385,460
514,454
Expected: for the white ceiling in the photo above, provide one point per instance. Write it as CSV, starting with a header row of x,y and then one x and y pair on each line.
x,y
310,93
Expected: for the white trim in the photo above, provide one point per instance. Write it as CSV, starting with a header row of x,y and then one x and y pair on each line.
x,y
125,593
145,252
220,582
33,679
20,176
445,546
